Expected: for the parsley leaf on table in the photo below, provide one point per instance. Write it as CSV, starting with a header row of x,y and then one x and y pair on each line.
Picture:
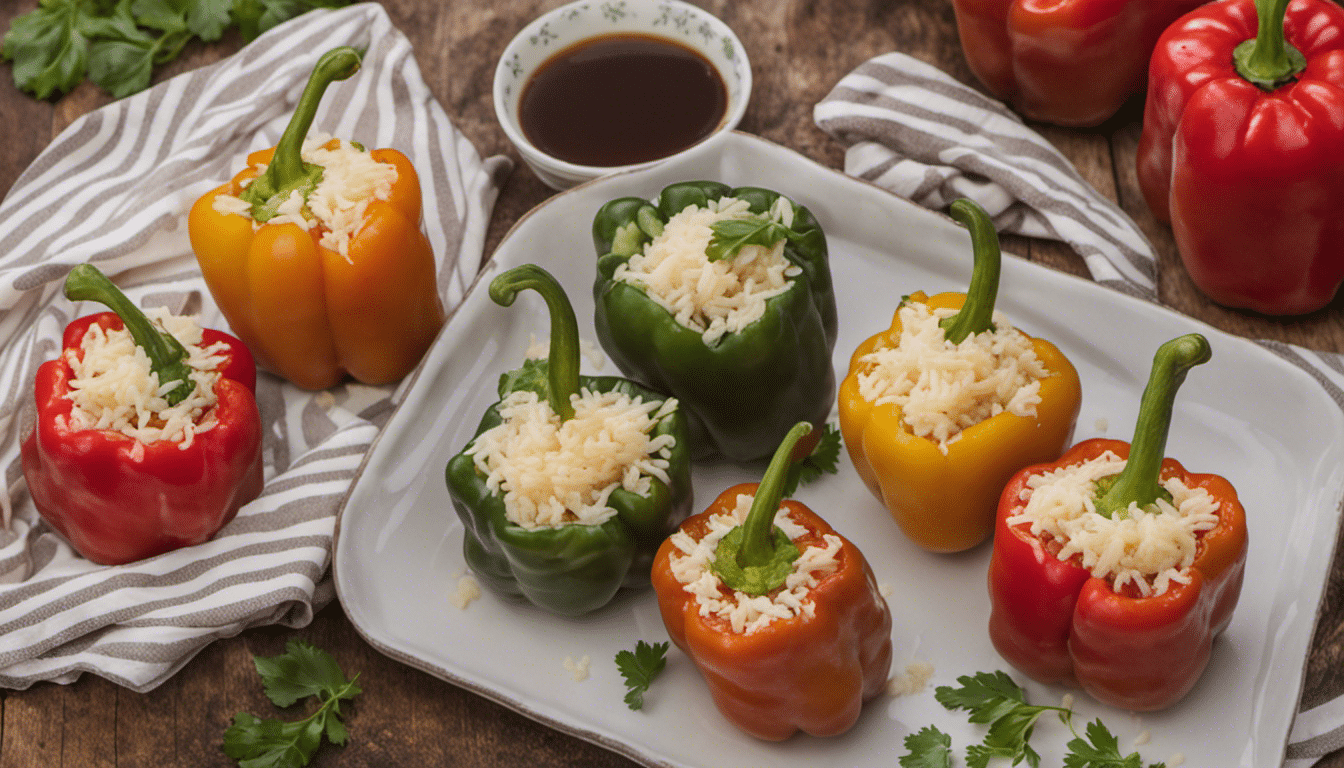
x,y
302,671
640,668
929,748
993,698
118,43
824,459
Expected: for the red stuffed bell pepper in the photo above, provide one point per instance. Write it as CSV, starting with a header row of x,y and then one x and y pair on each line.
x,y
782,616
1066,608
118,498
1243,150
1067,62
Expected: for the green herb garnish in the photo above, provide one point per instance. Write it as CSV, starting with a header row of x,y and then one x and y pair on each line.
x,y
639,668
302,671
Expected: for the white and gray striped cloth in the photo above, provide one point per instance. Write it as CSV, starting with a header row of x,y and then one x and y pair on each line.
x,y
915,130
114,189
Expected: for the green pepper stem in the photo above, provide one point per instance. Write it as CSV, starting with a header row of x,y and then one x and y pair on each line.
x,y
562,367
287,171
758,541
167,356
1268,60
1138,481
977,313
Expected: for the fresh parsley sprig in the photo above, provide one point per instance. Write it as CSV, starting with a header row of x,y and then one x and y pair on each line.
x,y
639,668
732,235
993,699
301,672
118,43
824,460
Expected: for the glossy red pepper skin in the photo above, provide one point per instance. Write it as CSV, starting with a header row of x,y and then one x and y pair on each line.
x,y
805,673
1251,181
1055,622
117,500
1067,62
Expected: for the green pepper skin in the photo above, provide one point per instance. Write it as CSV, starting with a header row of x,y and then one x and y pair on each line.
x,y
571,569
745,392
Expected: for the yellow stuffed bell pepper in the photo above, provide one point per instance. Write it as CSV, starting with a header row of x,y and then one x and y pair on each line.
x,y
944,494
322,282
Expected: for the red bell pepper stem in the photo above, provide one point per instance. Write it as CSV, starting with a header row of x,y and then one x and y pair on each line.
x,y
756,557
1138,481
562,367
1268,60
978,311
287,171
167,356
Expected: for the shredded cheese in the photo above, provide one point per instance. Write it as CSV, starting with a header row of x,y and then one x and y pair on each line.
x,y
351,179
943,388
113,387
555,473
713,297
749,613
1147,548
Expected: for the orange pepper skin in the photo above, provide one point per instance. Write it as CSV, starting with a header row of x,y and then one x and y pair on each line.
x,y
946,503
1057,623
310,314
809,673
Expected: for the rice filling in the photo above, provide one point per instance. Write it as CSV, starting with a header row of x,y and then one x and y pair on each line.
x,y
554,473
748,613
1149,549
943,388
714,298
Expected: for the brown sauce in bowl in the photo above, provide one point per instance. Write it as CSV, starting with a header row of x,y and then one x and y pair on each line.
x,y
621,99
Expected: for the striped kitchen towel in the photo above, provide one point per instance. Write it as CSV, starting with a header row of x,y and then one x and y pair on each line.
x,y
114,189
916,131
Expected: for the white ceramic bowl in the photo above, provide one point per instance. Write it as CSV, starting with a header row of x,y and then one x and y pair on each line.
x,y
578,21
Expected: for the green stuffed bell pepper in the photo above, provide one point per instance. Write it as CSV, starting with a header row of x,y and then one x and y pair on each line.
x,y
679,289
570,482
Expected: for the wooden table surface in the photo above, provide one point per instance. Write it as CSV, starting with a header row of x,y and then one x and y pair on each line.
x,y
799,49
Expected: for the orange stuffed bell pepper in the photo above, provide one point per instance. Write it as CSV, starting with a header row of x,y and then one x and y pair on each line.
x,y
1124,598
318,261
939,471
780,613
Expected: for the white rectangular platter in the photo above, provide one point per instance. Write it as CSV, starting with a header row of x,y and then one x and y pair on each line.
x,y
1249,415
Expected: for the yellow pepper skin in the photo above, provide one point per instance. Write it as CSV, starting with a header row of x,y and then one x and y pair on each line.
x,y
307,312
946,503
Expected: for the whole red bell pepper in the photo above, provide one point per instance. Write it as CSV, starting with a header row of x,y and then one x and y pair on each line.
x,y
1057,622
810,672
1242,150
117,499
1067,62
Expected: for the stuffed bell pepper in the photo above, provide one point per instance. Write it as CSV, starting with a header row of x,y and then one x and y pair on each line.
x,y
722,298
938,411
1114,568
781,614
146,436
571,482
1242,150
315,256
1067,62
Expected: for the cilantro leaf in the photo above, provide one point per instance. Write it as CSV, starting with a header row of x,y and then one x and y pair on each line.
x,y
929,748
824,459
639,670
981,692
303,671
1103,751
118,43
731,235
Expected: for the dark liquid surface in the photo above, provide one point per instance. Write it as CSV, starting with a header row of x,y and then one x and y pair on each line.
x,y
621,99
